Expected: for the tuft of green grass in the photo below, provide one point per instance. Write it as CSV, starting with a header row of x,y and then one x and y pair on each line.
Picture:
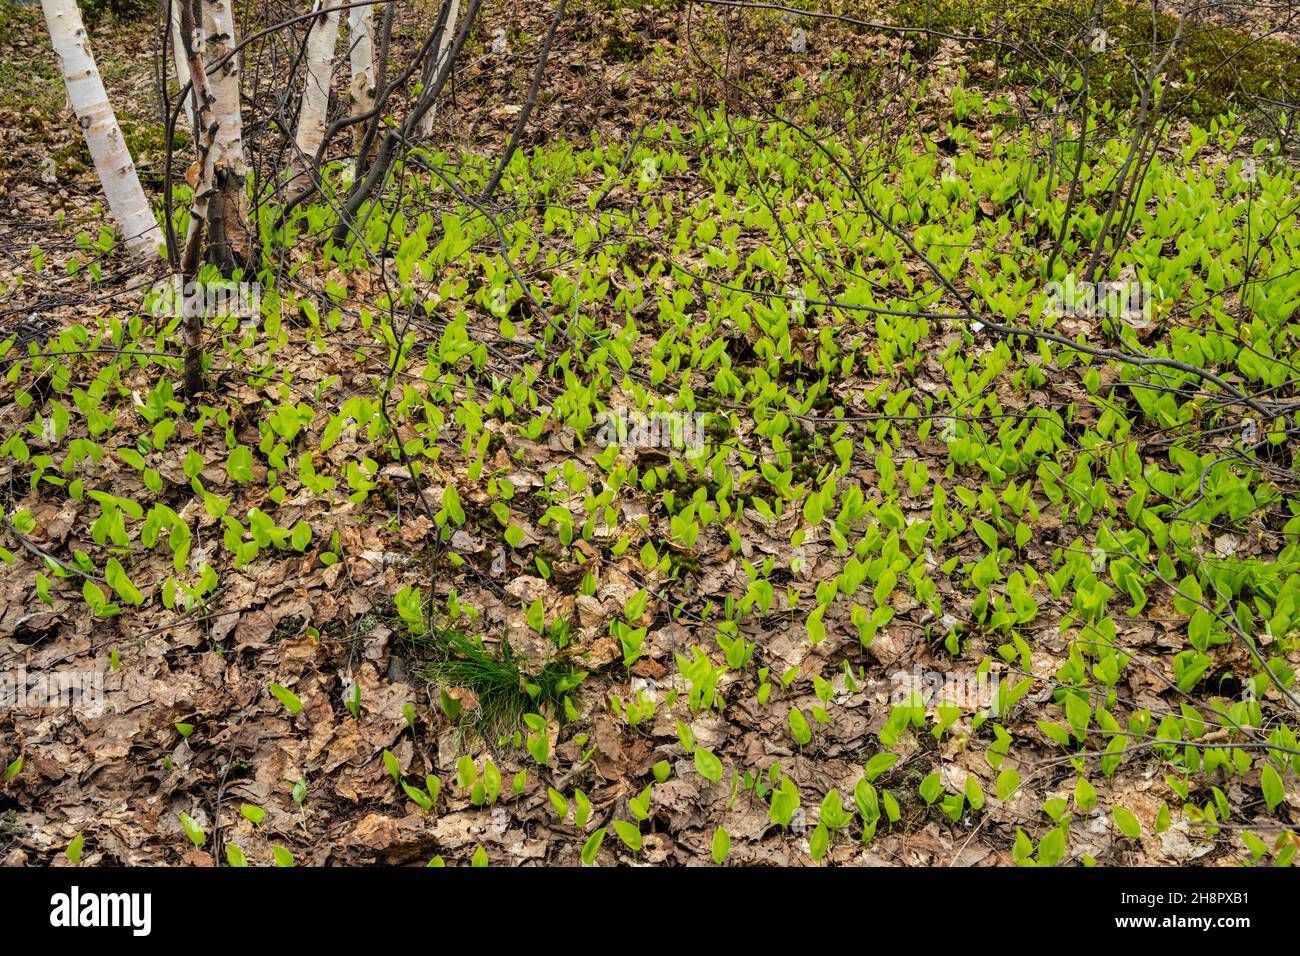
x,y
504,691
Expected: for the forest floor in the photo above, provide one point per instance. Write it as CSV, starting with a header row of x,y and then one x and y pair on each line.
x,y
304,647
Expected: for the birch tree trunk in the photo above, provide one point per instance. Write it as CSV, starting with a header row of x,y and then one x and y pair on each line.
x,y
231,236
444,50
321,42
204,184
179,58
361,58
126,200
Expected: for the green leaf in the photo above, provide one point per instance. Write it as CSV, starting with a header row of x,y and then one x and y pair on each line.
x,y
1254,844
450,705
1056,808
816,629
1008,782
636,605
252,813
301,535
1085,794
931,787
583,812
451,502
987,533
891,807
1022,847
1128,824
812,509
867,801
193,830
686,736
1023,534
466,772
721,845
417,796
592,847
879,764
709,766
287,697
819,842
73,852
235,856
132,458
799,728
1055,732
94,597
1078,713
1271,783
117,579
629,833
537,617
282,856
559,802
391,765
1052,847
239,465
831,811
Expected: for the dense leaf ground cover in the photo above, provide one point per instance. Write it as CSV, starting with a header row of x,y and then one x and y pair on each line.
x,y
753,480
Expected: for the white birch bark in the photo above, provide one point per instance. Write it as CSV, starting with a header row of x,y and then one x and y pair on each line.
x,y
178,57
444,50
223,83
232,233
126,200
204,170
361,59
204,184
321,42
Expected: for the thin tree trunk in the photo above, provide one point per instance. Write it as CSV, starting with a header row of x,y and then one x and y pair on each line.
x,y
321,42
361,58
231,242
179,58
126,200
204,188
435,66
368,146
362,190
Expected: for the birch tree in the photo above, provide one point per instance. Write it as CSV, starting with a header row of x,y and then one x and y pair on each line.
x,y
204,183
361,59
179,57
108,150
220,199
396,138
436,64
321,42
231,235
